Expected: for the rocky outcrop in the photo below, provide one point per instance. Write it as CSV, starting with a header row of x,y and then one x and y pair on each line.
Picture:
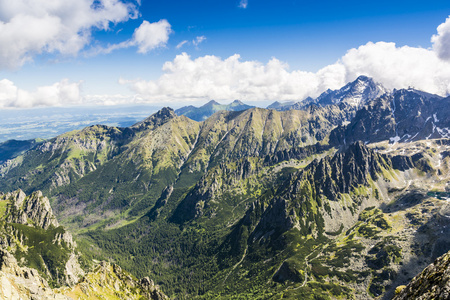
x,y
21,282
155,120
45,240
109,281
33,210
432,283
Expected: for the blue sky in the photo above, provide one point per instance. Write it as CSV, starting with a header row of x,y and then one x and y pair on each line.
x,y
85,53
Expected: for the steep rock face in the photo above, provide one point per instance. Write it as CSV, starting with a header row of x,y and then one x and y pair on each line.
x,y
355,93
106,281
432,283
34,209
21,282
304,198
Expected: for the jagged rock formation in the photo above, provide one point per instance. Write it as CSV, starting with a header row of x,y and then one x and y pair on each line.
x,y
404,116
157,119
34,209
355,93
22,282
432,283
40,240
107,281
310,195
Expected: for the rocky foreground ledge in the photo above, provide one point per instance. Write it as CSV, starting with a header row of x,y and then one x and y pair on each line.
x,y
432,283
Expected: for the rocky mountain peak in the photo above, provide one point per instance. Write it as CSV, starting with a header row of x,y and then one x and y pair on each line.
x,y
157,119
34,209
355,93
211,103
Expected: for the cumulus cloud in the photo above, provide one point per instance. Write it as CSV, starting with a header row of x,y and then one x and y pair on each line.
x,y
151,35
399,67
441,41
243,4
146,37
58,94
210,77
28,28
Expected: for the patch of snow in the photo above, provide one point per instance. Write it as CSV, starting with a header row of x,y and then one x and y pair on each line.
x,y
435,118
395,139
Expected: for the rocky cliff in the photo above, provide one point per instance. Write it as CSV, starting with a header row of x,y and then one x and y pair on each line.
x,y
34,210
31,233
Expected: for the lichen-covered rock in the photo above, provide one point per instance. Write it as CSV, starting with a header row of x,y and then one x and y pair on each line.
x,y
432,283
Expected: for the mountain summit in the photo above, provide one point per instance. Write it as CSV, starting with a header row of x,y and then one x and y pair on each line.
x,y
355,93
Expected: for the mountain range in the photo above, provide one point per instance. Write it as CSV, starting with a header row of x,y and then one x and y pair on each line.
x,y
343,196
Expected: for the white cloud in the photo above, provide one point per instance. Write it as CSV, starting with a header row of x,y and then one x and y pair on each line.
x,y
243,4
198,40
28,28
146,37
151,35
210,77
181,44
399,67
441,41
58,94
